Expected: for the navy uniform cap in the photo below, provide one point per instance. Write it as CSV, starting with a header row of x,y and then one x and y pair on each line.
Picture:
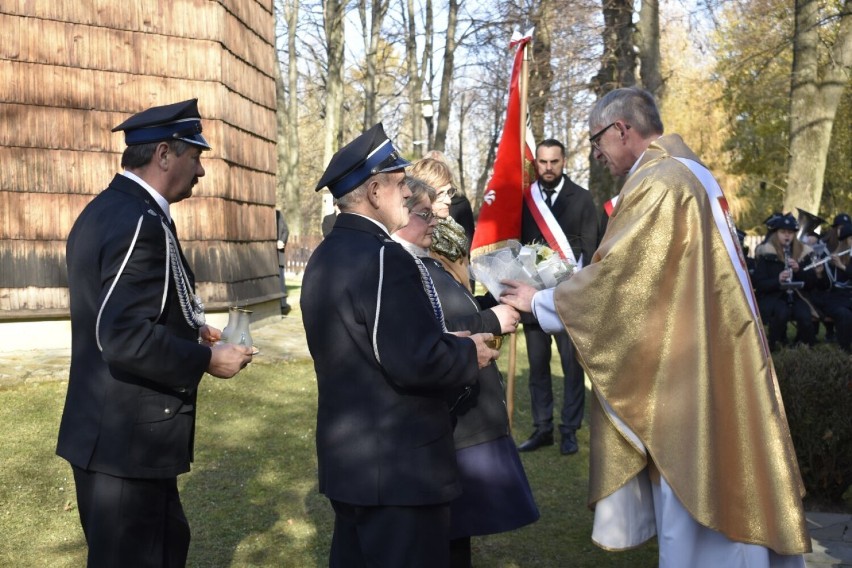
x,y
845,231
842,219
177,121
370,154
778,221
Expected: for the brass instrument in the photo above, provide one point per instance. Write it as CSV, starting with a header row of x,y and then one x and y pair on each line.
x,y
826,259
808,222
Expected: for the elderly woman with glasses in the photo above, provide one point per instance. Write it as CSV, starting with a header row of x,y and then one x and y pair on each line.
x,y
496,496
437,173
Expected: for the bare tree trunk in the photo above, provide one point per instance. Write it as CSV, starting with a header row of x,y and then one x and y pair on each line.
x,y
371,35
369,81
618,69
416,72
464,108
292,186
648,39
541,69
333,13
814,96
447,77
287,119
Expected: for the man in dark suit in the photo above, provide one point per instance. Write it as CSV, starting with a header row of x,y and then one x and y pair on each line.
x,y
139,347
566,213
385,370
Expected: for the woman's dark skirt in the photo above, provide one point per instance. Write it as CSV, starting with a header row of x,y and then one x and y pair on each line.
x,y
496,496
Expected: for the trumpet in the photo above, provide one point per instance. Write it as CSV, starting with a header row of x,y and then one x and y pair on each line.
x,y
826,259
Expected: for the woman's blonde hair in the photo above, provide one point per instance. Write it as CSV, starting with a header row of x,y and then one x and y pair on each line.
x,y
433,172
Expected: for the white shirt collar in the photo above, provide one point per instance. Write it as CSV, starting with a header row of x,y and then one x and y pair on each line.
x,y
410,247
556,189
161,201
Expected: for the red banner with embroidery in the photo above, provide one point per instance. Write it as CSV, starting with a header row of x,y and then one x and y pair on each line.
x,y
500,213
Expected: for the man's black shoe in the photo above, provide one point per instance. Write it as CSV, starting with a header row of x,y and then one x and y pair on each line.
x,y
537,440
285,309
569,444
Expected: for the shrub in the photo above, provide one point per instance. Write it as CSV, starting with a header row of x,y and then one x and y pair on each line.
x,y
817,391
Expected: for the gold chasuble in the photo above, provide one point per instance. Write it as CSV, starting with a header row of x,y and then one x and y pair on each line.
x,y
671,341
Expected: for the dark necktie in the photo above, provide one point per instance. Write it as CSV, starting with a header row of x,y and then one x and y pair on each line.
x,y
548,192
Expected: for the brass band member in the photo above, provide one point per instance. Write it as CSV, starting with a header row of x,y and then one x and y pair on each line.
x,y
780,282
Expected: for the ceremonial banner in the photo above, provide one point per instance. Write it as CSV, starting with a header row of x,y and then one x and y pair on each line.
x,y
500,213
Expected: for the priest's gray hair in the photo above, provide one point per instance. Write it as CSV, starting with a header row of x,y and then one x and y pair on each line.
x,y
633,105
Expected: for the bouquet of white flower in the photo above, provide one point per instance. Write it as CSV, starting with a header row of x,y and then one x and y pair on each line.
x,y
535,264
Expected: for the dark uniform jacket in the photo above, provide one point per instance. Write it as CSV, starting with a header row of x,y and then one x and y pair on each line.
x,y
384,368
768,267
130,407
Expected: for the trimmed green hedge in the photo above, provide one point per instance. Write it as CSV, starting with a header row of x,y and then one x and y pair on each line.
x,y
816,385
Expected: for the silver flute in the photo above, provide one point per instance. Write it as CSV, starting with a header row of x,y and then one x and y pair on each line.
x,y
826,259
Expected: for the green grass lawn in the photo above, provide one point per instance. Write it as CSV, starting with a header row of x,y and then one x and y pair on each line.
x,y
252,498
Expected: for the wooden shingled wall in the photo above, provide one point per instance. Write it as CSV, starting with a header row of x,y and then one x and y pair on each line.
x,y
71,71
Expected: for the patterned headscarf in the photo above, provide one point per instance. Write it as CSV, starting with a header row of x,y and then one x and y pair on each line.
x,y
449,239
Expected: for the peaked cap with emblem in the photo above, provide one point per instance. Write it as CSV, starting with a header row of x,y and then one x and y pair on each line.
x,y
778,221
177,121
370,154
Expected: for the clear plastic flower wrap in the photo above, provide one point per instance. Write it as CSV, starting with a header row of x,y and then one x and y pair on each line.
x,y
533,264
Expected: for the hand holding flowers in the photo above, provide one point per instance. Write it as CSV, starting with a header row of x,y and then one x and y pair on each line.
x,y
536,265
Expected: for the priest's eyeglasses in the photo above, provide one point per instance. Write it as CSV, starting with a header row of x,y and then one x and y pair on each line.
x,y
427,216
595,138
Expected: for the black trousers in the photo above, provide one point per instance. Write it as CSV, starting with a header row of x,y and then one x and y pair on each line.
x,y
390,537
778,310
131,523
838,306
541,381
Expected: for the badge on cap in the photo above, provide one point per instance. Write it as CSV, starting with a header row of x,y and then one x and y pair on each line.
x,y
177,121
370,154
782,221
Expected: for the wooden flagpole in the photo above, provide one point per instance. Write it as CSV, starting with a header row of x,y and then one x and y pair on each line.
x,y
513,341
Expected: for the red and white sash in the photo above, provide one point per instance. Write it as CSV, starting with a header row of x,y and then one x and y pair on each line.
x,y
728,231
547,223
610,205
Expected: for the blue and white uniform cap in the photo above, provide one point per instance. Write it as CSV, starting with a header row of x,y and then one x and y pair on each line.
x,y
177,121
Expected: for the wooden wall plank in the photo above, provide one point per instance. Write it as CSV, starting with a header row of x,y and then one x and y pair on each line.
x,y
48,42
81,90
31,170
42,302
38,216
27,263
57,128
189,18
70,71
